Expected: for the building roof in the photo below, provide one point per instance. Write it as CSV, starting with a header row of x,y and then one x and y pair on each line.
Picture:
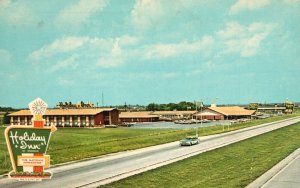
x,y
143,114
208,113
54,112
173,112
271,108
232,110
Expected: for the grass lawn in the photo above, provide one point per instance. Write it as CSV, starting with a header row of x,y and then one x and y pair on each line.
x,y
1,118
69,144
235,165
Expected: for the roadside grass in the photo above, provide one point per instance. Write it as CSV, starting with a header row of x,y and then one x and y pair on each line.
x,y
235,165
70,144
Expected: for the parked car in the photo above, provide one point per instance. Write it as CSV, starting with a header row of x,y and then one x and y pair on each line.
x,y
190,140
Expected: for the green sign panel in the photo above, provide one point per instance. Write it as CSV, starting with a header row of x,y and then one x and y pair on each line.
x,y
27,140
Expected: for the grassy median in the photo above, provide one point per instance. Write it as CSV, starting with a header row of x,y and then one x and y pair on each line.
x,y
69,144
235,165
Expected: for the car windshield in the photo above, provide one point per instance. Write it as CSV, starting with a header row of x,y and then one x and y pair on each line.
x,y
190,138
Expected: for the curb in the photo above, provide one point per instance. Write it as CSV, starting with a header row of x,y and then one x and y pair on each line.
x,y
3,176
267,176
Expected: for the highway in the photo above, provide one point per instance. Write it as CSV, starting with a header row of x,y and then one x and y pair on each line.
x,y
117,166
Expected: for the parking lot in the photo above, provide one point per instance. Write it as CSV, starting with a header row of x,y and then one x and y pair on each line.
x,y
172,125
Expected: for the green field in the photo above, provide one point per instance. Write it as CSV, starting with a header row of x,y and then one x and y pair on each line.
x,y
1,118
69,144
235,165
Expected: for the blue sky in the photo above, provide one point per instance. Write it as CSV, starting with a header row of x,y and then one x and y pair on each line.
x,y
145,51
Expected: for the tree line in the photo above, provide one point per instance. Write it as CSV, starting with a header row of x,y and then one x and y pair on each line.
x,y
181,106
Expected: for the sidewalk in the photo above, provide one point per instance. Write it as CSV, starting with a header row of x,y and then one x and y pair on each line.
x,y
283,175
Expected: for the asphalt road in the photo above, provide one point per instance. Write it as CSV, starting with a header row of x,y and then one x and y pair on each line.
x,y
113,167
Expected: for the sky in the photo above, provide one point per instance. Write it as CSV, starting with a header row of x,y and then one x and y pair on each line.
x,y
145,51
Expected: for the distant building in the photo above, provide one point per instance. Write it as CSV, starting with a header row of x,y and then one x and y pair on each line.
x,y
150,116
272,110
70,117
223,113
143,116
174,115
287,107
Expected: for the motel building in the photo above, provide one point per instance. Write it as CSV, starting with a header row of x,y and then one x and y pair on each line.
x,y
224,113
89,117
144,116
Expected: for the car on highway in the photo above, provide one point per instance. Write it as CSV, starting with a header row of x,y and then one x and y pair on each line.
x,y
190,140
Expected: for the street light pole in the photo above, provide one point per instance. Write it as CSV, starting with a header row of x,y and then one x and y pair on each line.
x,y
196,118
201,106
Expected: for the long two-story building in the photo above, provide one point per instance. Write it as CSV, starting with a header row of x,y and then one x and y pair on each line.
x,y
70,117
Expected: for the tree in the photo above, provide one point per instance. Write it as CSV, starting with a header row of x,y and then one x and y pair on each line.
x,y
253,106
183,105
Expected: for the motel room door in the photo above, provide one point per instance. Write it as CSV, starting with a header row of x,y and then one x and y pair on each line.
x,y
106,118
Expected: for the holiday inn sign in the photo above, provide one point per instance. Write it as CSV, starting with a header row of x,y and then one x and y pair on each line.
x,y
27,146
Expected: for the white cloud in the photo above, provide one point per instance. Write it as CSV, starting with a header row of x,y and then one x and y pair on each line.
x,y
232,29
114,57
292,1
4,3
86,52
73,43
242,39
64,81
63,45
242,5
234,39
82,52
78,13
70,62
16,13
147,14
117,52
170,75
5,56
158,51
